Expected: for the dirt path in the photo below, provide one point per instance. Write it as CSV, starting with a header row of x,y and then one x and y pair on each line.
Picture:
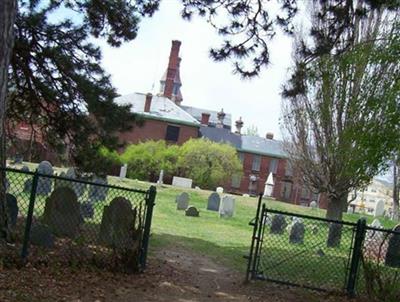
x,y
174,274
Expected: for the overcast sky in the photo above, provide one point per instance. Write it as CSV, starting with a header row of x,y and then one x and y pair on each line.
x,y
137,67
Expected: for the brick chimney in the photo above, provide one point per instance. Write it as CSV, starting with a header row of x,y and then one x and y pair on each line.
x,y
171,83
205,118
269,135
221,116
147,104
239,125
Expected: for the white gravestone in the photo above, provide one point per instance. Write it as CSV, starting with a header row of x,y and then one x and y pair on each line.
x,y
160,180
269,186
122,172
182,182
313,205
220,190
227,207
379,208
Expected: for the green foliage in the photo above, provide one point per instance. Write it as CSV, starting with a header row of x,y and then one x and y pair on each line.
x,y
208,163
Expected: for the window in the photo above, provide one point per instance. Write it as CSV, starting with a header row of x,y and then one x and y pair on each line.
x,y
286,190
236,179
273,165
172,133
256,163
176,89
289,169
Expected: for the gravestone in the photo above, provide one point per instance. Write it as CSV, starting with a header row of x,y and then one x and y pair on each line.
x,y
334,234
12,209
182,182
376,224
62,212
98,193
246,195
379,208
220,190
278,224
117,224
182,201
25,169
18,159
160,180
213,202
87,210
297,233
123,170
313,205
393,251
268,219
28,185
44,183
41,235
192,212
227,207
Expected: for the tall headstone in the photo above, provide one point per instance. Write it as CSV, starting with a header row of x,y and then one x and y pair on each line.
x,y
12,208
393,251
192,212
379,208
213,202
278,224
297,233
160,180
182,201
117,224
62,213
227,207
122,172
44,183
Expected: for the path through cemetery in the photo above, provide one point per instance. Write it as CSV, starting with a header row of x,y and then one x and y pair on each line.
x,y
174,274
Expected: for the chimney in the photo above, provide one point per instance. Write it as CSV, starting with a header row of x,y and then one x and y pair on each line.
x,y
147,104
205,118
269,135
173,68
221,116
239,125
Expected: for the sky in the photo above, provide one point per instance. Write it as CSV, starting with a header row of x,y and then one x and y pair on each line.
x,y
137,66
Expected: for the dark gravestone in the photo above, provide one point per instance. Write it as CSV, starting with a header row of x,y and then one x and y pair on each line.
x,y
393,251
41,235
213,202
12,209
44,183
192,211
62,212
25,169
28,185
18,159
182,201
98,193
297,233
87,210
117,228
78,187
334,234
278,224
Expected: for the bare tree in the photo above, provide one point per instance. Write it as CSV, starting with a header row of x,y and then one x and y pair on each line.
x,y
341,111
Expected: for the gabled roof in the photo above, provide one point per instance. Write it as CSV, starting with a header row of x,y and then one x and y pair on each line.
x,y
197,112
161,108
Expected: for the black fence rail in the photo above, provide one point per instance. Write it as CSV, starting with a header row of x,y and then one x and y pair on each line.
x,y
77,221
323,254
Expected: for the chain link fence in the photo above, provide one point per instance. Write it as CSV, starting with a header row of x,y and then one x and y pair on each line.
x,y
62,220
323,254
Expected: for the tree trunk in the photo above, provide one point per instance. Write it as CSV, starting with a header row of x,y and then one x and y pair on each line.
x,y
335,212
395,215
8,10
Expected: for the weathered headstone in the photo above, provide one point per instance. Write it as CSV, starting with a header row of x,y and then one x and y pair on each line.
x,y
192,211
87,210
117,224
78,187
268,219
28,185
246,195
25,169
219,190
393,251
278,224
313,205
41,235
182,201
62,212
213,202
227,207
123,170
182,182
18,159
160,180
44,183
297,233
379,208
12,209
98,193
334,234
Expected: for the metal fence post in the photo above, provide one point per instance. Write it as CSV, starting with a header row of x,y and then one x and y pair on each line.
x,y
28,224
150,202
356,256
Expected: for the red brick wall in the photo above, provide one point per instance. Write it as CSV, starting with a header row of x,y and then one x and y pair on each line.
x,y
156,130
